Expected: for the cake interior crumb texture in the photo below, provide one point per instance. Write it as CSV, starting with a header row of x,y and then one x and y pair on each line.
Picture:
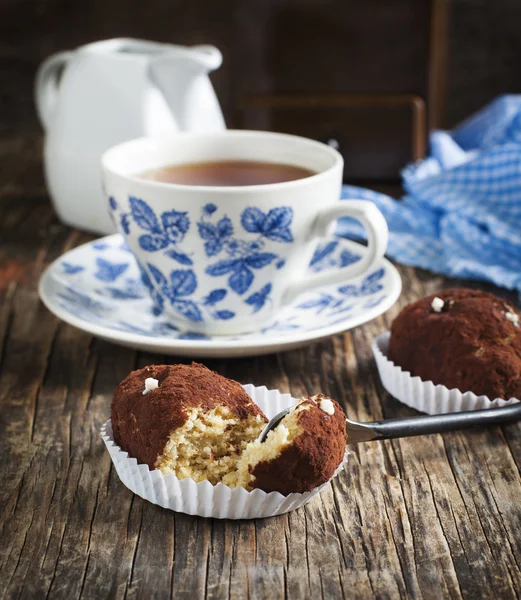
x,y
216,446
256,452
208,445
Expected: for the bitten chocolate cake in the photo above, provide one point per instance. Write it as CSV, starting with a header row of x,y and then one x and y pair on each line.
x,y
464,339
184,419
300,454
187,420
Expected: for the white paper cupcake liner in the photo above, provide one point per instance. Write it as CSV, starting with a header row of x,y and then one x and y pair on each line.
x,y
424,395
204,499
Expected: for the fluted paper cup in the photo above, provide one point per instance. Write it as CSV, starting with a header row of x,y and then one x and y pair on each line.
x,y
204,499
425,395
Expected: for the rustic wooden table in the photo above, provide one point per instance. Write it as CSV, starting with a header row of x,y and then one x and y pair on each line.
x,y
431,517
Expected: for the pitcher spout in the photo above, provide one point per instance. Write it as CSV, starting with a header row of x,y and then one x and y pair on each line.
x,y
209,57
181,75
202,59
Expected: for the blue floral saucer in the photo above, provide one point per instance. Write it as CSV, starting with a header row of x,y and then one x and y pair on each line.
x,y
97,288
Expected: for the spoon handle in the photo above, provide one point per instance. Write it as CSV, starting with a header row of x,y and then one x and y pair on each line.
x,y
424,425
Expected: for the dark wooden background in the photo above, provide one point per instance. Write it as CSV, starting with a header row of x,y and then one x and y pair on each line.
x,y
453,55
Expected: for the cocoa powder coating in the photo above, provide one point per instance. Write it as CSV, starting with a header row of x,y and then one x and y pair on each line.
x,y
313,456
142,423
470,344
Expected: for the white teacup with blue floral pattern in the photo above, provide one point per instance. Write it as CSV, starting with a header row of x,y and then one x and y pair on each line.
x,y
223,260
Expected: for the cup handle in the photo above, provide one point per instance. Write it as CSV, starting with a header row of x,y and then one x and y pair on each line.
x,y
377,233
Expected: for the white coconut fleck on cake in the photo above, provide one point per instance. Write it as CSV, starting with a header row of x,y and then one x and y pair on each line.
x,y
514,317
327,406
150,385
437,304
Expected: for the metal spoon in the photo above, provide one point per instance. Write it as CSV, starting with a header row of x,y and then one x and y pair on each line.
x,y
423,425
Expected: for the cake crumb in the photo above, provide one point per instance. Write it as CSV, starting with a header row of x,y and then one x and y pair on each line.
x,y
150,385
514,317
437,304
327,406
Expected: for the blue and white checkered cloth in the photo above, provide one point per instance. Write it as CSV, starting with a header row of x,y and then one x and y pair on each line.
x,y
462,212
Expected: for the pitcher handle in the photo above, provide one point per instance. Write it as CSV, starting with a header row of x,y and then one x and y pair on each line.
x,y
47,85
377,233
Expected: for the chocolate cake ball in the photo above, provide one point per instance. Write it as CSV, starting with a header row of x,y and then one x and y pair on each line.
x,y
184,419
464,339
300,454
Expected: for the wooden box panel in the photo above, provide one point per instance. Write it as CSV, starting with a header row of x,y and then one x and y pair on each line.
x,y
376,135
298,46
368,63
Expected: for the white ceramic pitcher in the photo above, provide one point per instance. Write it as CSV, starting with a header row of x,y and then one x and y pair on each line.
x,y
109,92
